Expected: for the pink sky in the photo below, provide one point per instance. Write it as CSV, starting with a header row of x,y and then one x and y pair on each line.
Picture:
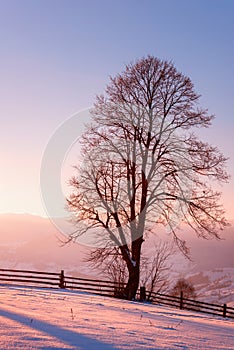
x,y
55,58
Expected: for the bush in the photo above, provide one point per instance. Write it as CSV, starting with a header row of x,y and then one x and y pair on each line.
x,y
186,287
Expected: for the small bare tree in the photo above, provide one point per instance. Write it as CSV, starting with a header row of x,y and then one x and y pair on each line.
x,y
111,265
186,287
155,269
139,170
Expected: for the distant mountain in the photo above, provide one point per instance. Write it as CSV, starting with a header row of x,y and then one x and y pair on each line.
x,y
213,269
28,241
214,285
212,253
205,253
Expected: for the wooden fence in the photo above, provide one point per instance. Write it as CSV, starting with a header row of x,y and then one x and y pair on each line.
x,y
108,288
59,280
192,305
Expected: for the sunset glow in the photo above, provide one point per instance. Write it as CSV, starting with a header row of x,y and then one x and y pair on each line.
x,y
111,169
54,64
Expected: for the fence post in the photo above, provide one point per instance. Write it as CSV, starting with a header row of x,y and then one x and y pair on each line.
x,y
181,300
62,280
224,310
142,294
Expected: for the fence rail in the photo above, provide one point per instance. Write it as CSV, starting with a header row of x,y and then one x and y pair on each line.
x,y
192,305
108,288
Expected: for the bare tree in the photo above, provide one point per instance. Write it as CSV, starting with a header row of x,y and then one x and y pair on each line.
x,y
184,286
155,269
111,265
143,164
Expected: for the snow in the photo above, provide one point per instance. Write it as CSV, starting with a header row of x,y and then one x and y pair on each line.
x,y
32,318
214,286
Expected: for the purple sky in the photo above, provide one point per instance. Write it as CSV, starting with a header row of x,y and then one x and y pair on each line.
x,y
57,55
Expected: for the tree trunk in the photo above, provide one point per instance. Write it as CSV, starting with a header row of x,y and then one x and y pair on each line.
x,y
133,282
134,269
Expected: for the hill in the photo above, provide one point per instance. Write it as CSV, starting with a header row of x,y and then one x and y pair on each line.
x,y
58,319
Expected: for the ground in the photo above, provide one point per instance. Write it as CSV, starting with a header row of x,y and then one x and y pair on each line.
x,y
60,319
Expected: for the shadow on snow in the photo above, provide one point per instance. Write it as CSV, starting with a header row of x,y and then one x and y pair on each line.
x,y
79,341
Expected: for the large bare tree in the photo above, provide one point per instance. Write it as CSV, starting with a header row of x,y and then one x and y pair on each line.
x,y
143,165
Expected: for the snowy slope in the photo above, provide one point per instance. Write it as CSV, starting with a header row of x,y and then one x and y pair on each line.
x,y
46,319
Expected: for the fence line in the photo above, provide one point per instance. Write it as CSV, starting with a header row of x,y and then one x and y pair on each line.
x,y
193,305
108,288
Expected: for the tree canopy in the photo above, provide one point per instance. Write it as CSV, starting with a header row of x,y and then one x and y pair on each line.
x,y
143,164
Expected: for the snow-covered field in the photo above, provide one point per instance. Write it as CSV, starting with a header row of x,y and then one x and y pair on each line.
x,y
60,319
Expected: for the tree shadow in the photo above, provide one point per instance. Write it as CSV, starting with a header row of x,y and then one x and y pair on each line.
x,y
75,339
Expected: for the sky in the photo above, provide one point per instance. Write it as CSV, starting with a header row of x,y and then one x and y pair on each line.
x,y
56,56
